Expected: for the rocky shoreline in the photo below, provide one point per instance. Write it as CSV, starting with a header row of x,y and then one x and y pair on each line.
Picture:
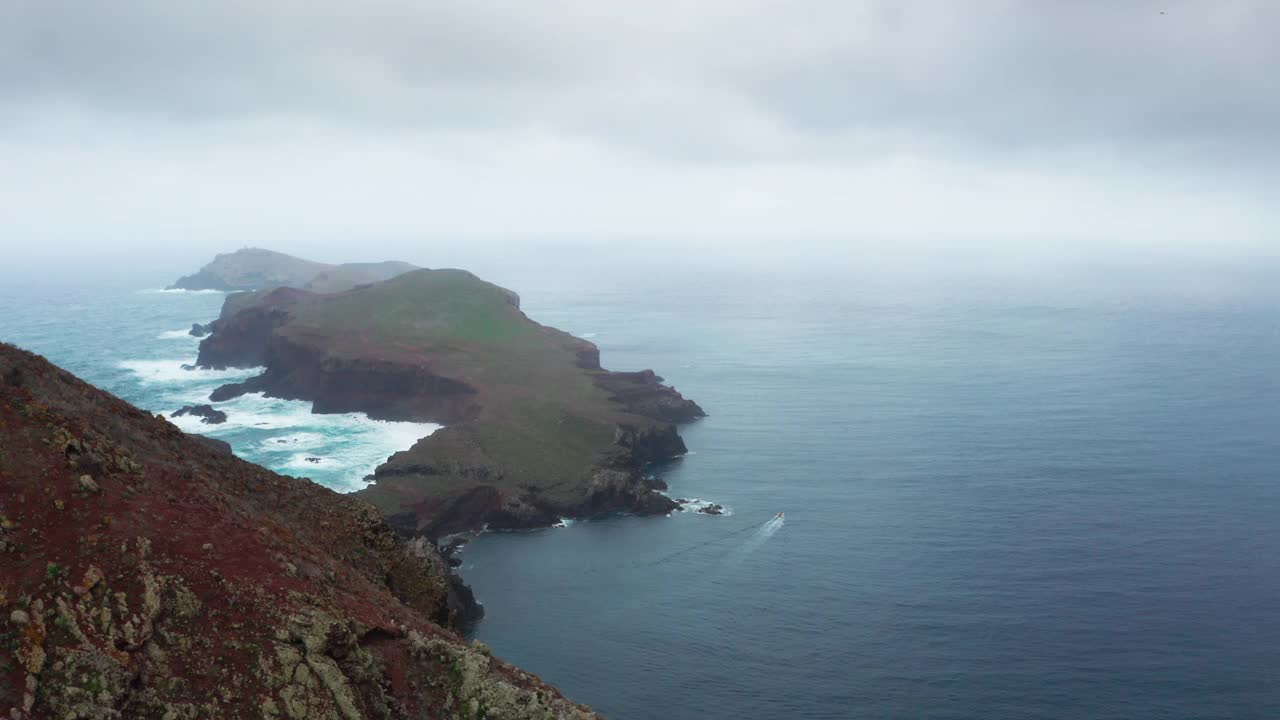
x,y
460,479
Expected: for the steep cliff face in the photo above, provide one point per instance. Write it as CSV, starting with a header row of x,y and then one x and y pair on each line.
x,y
145,573
301,370
537,429
644,394
447,483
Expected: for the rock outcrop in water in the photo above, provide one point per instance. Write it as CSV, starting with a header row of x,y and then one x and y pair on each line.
x,y
207,414
536,429
148,574
258,269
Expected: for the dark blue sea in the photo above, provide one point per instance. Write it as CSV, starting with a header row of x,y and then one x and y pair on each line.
x,y
1034,492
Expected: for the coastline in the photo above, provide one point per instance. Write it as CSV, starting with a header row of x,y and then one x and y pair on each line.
x,y
576,449
194,548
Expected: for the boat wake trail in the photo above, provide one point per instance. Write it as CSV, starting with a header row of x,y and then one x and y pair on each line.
x,y
760,533
696,546
758,537
761,536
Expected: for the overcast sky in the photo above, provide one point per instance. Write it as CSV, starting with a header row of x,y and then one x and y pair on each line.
x,y
719,123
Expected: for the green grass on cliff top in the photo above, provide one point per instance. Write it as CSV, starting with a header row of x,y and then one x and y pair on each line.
x,y
255,267
349,275
426,305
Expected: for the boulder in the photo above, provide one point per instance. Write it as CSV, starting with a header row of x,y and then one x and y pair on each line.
x,y
86,484
207,414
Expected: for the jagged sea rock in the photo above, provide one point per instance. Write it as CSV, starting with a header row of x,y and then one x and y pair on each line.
x,y
207,414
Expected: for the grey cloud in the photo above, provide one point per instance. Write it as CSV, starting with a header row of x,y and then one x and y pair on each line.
x,y
715,118
714,81
376,63
1032,74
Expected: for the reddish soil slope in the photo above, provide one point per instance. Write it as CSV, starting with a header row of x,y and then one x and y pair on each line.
x,y
146,573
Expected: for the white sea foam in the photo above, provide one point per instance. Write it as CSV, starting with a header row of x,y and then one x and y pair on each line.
x,y
292,442
588,336
693,505
172,372
262,413
194,394
177,335
280,434
192,424
179,291
564,523
306,461
349,445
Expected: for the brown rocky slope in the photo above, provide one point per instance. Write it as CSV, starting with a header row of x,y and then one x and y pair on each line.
x,y
146,573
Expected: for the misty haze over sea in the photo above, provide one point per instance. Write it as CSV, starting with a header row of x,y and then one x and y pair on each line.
x,y
1041,492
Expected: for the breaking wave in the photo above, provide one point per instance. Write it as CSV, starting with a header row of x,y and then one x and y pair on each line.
x,y
693,505
337,451
179,291
171,371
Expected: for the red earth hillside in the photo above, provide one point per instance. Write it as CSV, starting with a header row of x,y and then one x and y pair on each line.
x,y
146,573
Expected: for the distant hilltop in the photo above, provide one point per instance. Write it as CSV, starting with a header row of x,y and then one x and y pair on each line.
x,y
259,269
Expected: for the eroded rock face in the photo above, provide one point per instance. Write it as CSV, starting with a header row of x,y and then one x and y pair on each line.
x,y
182,582
381,389
244,339
644,394
649,444
617,483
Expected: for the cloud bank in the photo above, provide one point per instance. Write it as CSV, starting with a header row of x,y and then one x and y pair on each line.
x,y
1014,124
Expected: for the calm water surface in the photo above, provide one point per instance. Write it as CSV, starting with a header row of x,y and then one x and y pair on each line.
x,y
1041,497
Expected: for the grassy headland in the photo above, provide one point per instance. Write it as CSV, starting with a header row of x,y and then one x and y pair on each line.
x,y
536,429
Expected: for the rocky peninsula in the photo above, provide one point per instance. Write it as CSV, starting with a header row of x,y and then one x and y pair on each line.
x,y
149,574
536,429
258,269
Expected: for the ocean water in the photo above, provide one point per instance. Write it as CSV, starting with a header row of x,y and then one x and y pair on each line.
x,y
134,342
1049,493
